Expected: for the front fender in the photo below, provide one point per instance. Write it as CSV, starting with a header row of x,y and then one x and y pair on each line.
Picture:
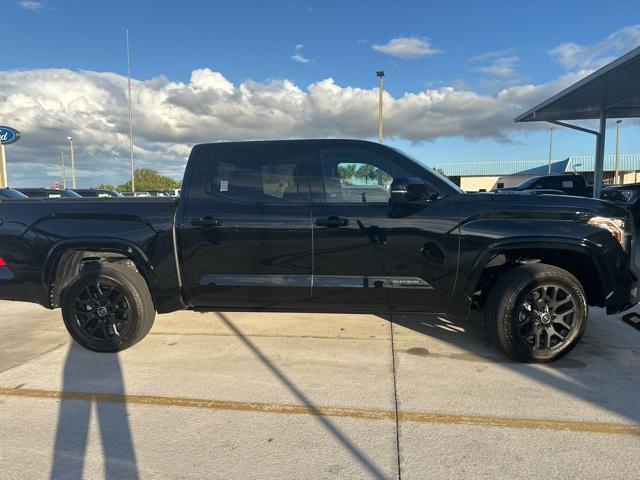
x,y
593,250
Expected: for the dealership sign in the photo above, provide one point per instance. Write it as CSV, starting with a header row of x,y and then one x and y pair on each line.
x,y
8,135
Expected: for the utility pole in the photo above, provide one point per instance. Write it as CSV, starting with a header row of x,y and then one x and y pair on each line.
x,y
380,75
550,148
616,178
4,180
64,173
133,171
73,163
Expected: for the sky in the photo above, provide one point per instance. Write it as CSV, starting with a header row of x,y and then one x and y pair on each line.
x,y
456,74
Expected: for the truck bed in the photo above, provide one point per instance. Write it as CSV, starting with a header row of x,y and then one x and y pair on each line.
x,y
34,233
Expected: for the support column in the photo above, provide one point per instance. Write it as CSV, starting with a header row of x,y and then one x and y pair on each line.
x,y
598,170
4,180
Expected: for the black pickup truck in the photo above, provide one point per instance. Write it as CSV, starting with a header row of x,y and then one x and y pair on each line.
x,y
323,226
570,184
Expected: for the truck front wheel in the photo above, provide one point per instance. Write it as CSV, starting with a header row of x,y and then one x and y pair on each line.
x,y
536,313
108,308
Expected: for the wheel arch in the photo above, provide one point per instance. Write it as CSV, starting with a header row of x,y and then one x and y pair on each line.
x,y
578,258
65,259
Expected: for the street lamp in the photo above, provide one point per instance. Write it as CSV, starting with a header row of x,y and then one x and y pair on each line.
x,y
64,174
616,177
550,148
380,75
133,170
73,163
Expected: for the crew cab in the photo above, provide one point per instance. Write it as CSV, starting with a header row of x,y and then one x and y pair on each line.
x,y
322,226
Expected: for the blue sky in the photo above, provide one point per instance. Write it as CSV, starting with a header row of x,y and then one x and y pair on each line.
x,y
477,47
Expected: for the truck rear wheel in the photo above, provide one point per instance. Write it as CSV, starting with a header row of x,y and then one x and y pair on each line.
x,y
536,313
108,308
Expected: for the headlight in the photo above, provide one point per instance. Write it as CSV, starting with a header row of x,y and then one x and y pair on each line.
x,y
627,195
615,226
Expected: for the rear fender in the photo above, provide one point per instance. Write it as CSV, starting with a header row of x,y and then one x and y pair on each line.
x,y
98,246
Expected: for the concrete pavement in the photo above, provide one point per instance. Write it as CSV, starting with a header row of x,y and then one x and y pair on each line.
x,y
240,395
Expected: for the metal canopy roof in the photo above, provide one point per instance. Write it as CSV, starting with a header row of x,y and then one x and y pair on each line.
x,y
615,88
611,92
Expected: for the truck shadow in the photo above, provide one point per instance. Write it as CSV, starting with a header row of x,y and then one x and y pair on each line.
x,y
601,370
86,371
354,451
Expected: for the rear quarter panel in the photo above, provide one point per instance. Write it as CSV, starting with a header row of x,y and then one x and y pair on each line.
x,y
35,233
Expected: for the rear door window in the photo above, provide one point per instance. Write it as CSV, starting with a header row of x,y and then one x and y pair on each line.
x,y
258,176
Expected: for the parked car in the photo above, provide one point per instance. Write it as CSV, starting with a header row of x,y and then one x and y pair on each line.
x,y
97,193
539,191
136,194
626,196
48,193
11,193
571,184
265,226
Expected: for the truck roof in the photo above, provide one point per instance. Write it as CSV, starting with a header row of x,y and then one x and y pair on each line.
x,y
307,141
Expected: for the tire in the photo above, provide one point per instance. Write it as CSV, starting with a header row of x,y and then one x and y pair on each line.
x,y
526,319
123,293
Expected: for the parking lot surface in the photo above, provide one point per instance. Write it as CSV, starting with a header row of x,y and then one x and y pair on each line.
x,y
273,395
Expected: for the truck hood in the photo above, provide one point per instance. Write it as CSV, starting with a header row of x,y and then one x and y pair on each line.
x,y
520,201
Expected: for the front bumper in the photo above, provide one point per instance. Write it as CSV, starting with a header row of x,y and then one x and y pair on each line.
x,y
624,294
624,291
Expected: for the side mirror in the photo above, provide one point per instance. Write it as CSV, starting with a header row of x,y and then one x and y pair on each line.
x,y
411,190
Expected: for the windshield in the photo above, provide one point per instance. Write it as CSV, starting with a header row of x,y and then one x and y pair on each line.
x,y
440,175
9,193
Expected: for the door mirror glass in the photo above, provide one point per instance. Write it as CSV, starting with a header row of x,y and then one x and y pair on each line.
x,y
411,190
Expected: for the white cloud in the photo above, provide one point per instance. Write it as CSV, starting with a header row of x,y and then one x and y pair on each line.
x,y
503,67
573,55
407,47
492,54
298,56
33,5
170,116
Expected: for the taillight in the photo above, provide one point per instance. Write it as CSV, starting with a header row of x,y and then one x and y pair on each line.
x,y
2,262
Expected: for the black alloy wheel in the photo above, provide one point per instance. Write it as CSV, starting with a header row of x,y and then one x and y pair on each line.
x,y
102,312
108,307
546,317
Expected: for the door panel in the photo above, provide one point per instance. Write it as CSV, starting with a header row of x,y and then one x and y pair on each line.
x,y
375,256
247,236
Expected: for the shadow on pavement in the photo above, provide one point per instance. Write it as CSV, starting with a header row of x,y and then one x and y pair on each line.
x,y
86,371
371,468
601,370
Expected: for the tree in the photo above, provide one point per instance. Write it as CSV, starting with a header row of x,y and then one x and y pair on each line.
x,y
148,179
103,186
366,172
347,172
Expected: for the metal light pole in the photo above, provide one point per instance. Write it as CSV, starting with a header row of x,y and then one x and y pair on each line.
x,y
616,178
73,163
4,179
380,75
550,148
133,171
64,173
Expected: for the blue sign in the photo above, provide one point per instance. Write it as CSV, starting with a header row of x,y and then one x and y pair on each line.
x,y
8,135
